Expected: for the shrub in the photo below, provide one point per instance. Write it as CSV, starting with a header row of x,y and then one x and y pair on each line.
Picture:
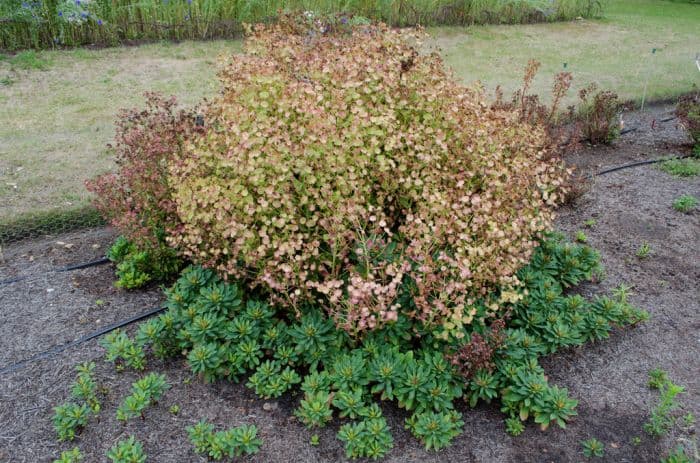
x,y
598,113
341,166
136,199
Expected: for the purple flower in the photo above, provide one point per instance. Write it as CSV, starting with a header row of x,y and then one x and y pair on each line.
x,y
60,13
189,2
84,14
344,20
77,2
99,22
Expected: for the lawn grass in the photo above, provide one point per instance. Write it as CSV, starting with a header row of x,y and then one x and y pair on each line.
x,y
55,124
614,52
57,108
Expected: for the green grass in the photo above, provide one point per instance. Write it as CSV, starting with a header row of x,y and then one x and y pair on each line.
x,y
614,52
55,123
29,59
688,167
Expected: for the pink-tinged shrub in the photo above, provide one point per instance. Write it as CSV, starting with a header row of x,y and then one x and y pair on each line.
x,y
342,166
136,197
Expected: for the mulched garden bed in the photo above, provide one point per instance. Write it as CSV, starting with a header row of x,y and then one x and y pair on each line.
x,y
630,207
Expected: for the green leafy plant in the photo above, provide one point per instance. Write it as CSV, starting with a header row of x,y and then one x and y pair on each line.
x,y
121,350
368,438
270,381
144,392
136,268
435,430
514,426
662,419
314,410
644,251
688,419
85,387
69,419
70,456
688,167
127,451
685,203
593,448
678,455
241,440
657,378
174,409
581,237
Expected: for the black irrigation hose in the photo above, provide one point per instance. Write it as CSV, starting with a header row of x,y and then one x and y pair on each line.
x,y
58,349
68,268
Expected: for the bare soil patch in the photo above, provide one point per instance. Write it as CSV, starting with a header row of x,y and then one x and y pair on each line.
x,y
629,207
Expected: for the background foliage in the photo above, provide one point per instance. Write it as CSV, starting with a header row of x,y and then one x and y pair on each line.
x,y
50,23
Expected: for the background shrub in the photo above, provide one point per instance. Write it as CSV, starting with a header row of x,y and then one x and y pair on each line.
x,y
598,115
341,165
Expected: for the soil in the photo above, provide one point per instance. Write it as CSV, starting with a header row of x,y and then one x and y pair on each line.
x,y
630,207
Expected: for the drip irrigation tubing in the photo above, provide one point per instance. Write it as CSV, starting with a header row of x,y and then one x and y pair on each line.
x,y
58,349
68,268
